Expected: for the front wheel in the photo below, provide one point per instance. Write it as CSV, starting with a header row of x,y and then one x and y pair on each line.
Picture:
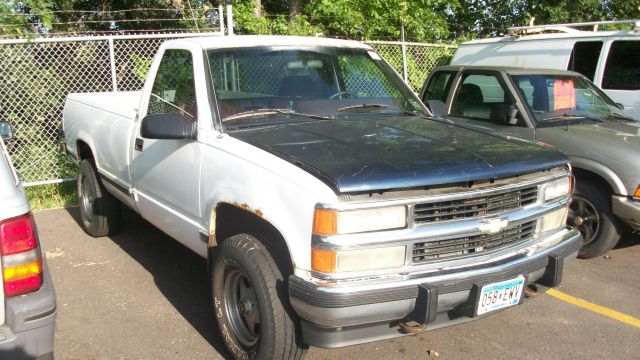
x,y
250,301
590,212
99,210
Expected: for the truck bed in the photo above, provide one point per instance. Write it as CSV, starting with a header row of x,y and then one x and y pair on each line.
x,y
123,103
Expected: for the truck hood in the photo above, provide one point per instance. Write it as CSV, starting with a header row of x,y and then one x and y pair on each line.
x,y
611,131
393,152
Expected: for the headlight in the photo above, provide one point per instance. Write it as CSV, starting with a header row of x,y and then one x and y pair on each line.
x,y
334,222
329,261
552,220
557,188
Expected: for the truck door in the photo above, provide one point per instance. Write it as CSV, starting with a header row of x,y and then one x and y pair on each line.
x,y
166,172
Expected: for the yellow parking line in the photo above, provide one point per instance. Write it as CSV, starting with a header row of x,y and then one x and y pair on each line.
x,y
623,318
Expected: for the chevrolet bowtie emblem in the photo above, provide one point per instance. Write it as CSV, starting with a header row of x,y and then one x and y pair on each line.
x,y
493,226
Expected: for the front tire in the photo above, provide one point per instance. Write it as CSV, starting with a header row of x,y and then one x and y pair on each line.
x,y
250,302
590,212
99,210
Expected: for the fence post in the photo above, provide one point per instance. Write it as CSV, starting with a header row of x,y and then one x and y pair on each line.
x,y
221,18
229,20
112,60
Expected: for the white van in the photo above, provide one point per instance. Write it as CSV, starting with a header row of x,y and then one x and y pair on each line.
x,y
611,59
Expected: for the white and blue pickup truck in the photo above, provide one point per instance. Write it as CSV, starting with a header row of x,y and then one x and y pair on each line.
x,y
331,208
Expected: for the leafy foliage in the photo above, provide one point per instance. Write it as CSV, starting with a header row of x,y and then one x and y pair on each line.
x,y
422,20
24,18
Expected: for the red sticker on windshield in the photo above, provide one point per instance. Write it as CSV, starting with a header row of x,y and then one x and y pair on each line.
x,y
564,96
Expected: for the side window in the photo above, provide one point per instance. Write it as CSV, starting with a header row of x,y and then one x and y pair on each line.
x,y
622,71
482,97
174,89
438,87
584,58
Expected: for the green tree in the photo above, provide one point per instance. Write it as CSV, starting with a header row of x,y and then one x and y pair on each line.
x,y
24,18
423,20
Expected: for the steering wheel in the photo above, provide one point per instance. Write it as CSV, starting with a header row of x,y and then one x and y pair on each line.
x,y
342,93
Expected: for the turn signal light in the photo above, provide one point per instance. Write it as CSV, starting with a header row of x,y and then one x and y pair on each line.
x,y
637,192
325,222
323,260
21,279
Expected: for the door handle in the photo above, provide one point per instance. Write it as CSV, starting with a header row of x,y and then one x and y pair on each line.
x,y
139,144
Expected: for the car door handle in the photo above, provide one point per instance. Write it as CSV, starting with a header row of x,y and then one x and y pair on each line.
x,y
139,144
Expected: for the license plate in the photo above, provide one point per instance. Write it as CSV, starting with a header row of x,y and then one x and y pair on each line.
x,y
500,295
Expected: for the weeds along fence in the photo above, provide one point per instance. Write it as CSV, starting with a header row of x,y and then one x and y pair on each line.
x,y
36,76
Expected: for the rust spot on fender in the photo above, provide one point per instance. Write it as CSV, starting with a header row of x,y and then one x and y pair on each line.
x,y
248,208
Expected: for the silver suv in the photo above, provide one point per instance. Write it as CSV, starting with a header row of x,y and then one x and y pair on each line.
x,y
28,311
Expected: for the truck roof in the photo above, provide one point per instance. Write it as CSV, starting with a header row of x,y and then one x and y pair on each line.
x,y
508,69
237,41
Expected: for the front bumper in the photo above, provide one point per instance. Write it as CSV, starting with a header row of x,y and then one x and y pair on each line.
x,y
341,316
627,210
29,326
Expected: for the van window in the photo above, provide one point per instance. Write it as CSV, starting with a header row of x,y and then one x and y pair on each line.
x,y
584,58
622,71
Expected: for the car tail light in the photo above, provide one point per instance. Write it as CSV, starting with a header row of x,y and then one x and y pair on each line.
x,y
21,260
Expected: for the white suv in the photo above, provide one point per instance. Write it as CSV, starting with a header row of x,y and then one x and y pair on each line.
x,y
27,297
608,58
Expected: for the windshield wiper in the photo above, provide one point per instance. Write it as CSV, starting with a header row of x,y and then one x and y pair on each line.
x,y
272,111
565,116
363,107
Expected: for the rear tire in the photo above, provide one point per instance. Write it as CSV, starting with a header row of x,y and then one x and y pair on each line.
x,y
600,229
99,210
250,300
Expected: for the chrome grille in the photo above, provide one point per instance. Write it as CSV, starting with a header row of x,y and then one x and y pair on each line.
x,y
475,206
461,246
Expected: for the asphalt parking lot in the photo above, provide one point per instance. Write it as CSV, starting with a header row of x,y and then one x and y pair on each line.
x,y
141,295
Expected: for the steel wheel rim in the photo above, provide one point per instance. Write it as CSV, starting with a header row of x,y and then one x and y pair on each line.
x,y
590,224
242,307
86,200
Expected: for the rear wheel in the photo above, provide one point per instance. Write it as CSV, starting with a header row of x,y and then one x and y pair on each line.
x,y
99,210
590,212
250,301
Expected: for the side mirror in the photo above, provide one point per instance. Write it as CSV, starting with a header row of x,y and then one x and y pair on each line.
x,y
437,107
6,131
167,126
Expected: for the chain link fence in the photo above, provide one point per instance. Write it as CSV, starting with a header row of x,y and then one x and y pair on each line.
x,y
37,75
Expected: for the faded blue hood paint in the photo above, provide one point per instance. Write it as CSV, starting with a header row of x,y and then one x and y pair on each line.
x,y
383,152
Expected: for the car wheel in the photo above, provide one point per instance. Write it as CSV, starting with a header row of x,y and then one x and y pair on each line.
x,y
250,302
590,212
99,210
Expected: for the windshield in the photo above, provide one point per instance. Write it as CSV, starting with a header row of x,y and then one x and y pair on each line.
x,y
553,97
263,86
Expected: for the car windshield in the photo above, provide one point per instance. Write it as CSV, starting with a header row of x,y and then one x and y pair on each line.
x,y
267,85
554,97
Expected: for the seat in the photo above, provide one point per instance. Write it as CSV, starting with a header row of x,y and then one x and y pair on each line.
x,y
303,86
470,102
